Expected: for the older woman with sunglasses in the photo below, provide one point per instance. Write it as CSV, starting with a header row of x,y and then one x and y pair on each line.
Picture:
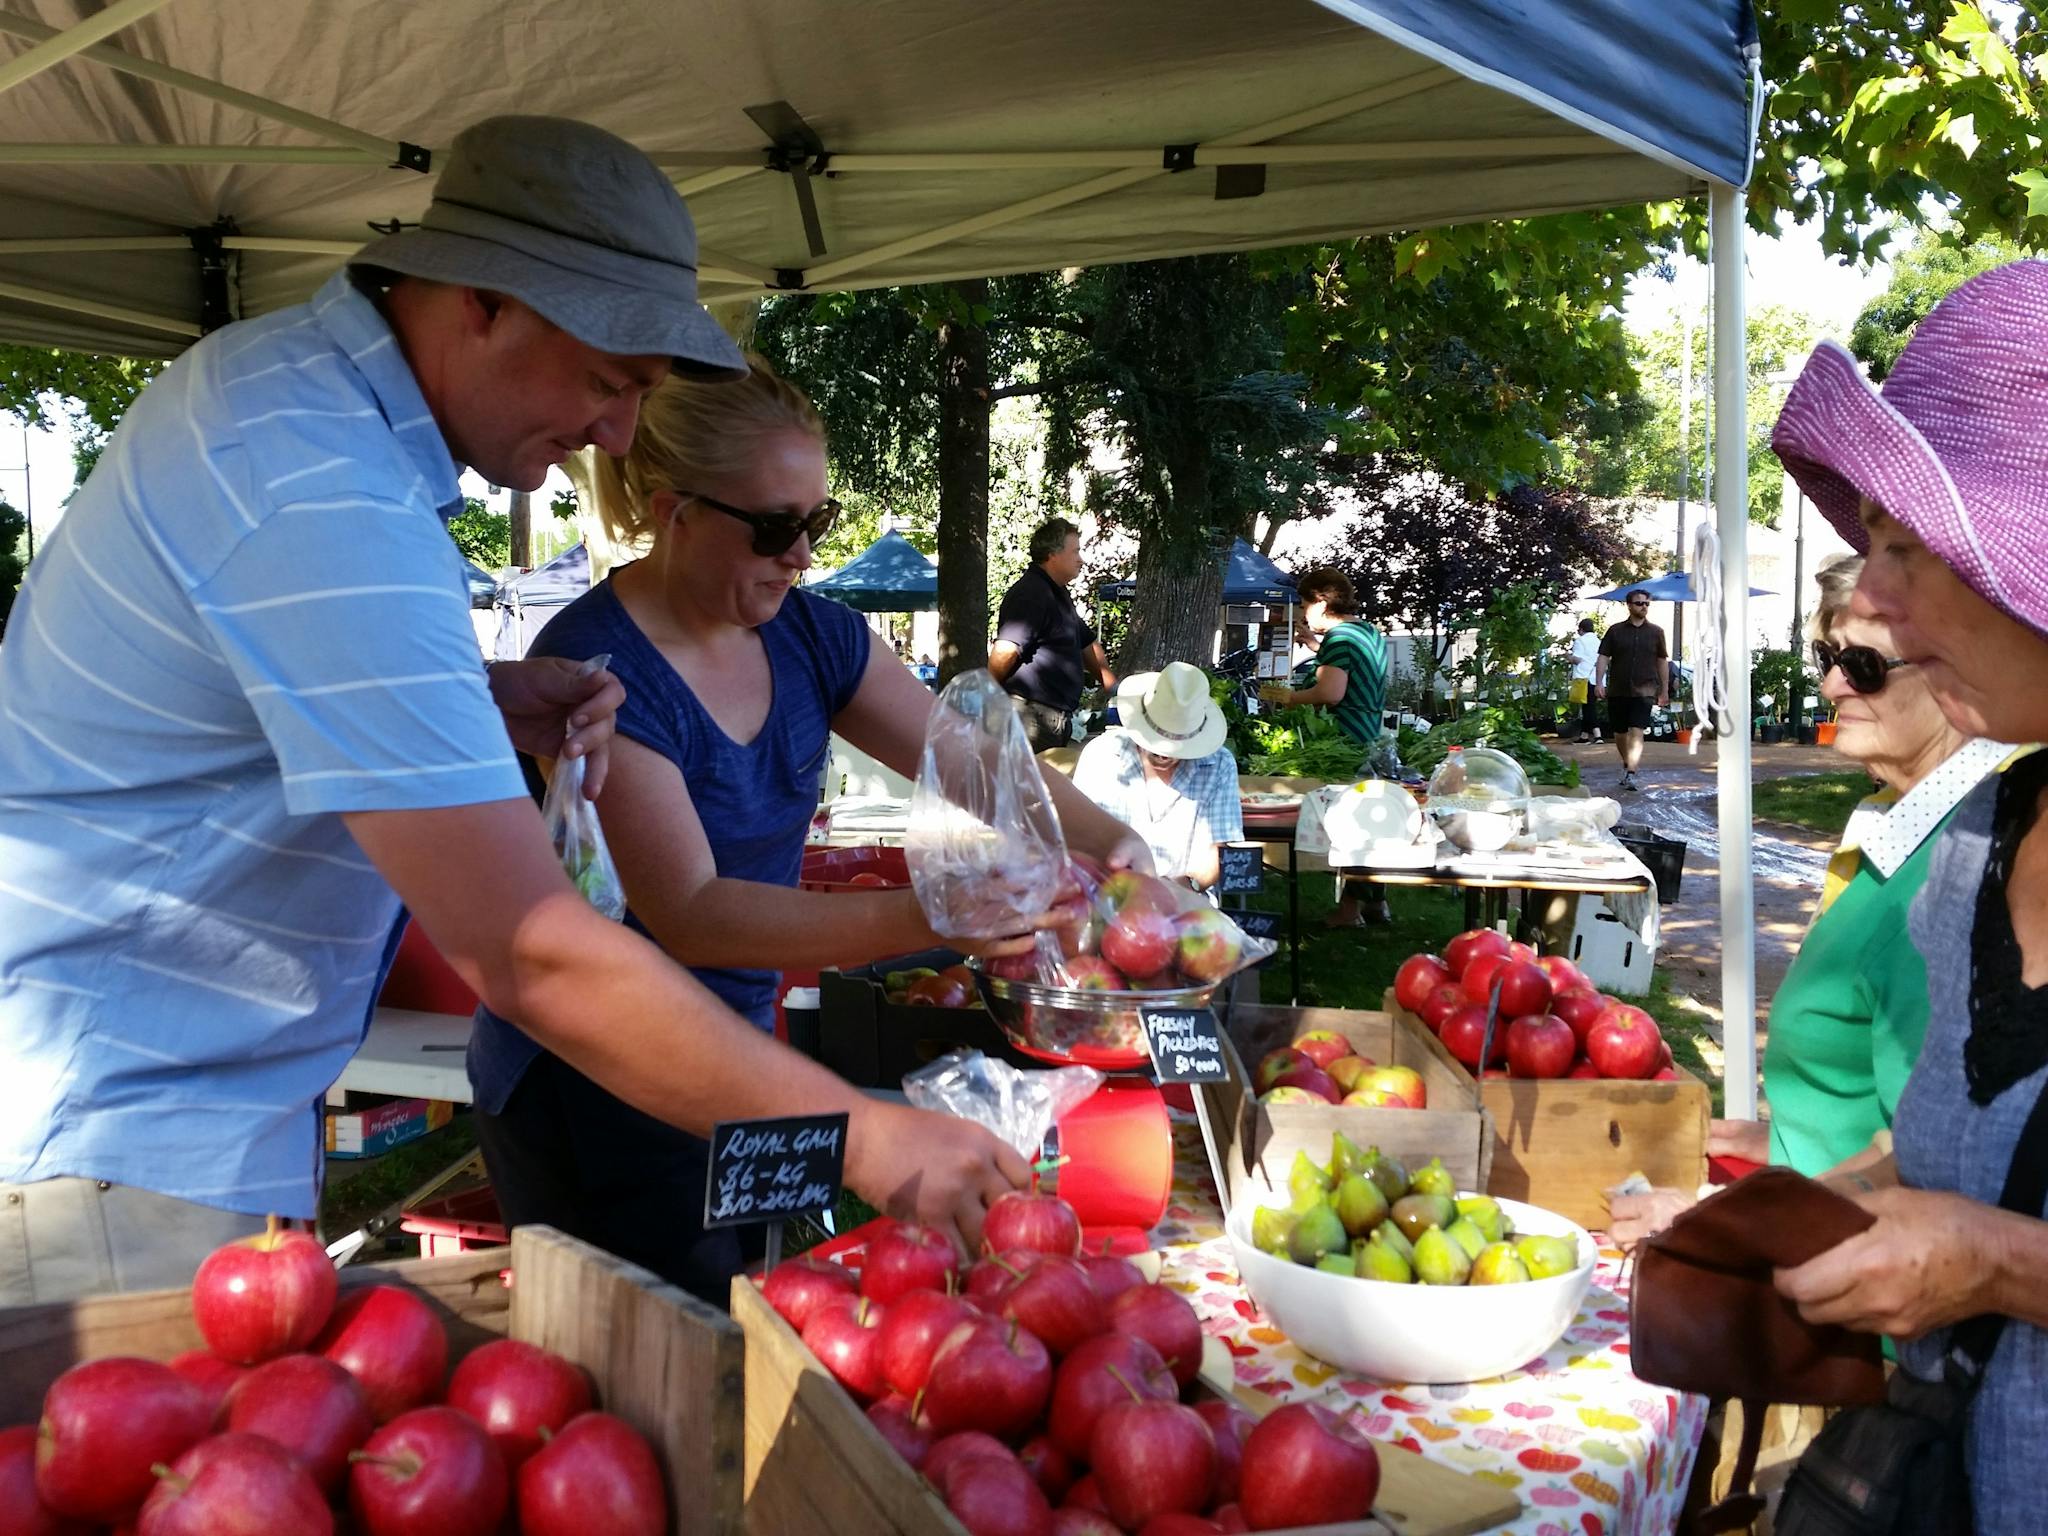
x,y
735,680
1943,477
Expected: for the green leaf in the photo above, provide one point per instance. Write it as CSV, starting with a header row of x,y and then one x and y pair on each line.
x,y
2035,184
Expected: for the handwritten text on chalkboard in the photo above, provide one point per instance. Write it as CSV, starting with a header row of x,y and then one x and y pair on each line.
x,y
764,1170
1244,867
1186,1044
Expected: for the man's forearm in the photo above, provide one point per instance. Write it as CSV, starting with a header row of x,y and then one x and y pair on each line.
x,y
2020,1246
1002,661
770,927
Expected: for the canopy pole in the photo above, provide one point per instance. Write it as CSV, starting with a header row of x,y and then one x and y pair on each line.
x,y
1732,759
194,154
74,40
718,178
78,306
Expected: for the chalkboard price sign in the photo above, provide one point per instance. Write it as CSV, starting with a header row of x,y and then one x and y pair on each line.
x,y
1260,925
1186,1044
767,1170
1244,867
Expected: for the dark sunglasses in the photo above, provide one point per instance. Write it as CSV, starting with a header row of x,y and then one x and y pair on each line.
x,y
1865,667
775,532
1639,602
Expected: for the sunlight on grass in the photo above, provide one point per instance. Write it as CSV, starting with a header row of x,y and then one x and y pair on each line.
x,y
1820,801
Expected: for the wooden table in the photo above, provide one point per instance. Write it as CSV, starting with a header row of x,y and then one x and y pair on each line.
x,y
1486,895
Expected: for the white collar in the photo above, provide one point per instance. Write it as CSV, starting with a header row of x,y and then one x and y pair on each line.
x,y
1887,832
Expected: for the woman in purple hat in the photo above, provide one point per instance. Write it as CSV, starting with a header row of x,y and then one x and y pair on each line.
x,y
1942,478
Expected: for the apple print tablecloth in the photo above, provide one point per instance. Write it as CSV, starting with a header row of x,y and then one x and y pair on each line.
x,y
1589,1449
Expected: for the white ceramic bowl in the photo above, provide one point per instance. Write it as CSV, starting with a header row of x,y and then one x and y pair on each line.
x,y
1417,1333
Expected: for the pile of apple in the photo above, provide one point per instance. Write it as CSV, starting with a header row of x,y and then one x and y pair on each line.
x,y
1322,1068
1363,1215
304,1398
1142,934
1552,1022
920,986
1039,1390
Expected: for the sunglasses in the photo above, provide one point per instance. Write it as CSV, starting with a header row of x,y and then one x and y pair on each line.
x,y
776,532
1639,602
1865,667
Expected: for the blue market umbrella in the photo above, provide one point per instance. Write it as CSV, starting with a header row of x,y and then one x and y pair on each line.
x,y
1671,587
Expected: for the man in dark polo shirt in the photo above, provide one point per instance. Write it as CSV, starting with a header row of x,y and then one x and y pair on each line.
x,y
1044,650
1632,670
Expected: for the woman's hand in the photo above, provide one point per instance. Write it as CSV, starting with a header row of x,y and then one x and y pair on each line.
x,y
1071,912
1932,1259
1276,693
1749,1140
938,1169
552,710
1631,1218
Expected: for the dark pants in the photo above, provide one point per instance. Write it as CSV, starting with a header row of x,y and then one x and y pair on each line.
x,y
570,1155
1628,711
1045,726
1589,717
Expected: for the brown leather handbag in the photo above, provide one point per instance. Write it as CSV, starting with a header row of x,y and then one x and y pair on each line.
x,y
1704,1317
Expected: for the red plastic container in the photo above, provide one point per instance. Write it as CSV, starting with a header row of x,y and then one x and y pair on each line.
x,y
421,980
833,869
456,1223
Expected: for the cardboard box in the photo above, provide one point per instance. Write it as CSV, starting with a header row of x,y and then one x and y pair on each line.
x,y
368,1132
1562,1143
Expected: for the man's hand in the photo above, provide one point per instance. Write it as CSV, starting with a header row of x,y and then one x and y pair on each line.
x,y
1275,693
552,711
1749,1140
938,1169
1599,691
1130,852
1929,1261
1631,1218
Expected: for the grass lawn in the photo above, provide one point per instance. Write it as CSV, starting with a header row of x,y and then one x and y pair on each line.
x,y
1819,801
356,1191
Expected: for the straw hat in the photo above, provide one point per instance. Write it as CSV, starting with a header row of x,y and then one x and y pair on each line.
x,y
1170,712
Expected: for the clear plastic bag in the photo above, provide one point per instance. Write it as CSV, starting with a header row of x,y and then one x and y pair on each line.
x,y
579,839
1018,1106
984,844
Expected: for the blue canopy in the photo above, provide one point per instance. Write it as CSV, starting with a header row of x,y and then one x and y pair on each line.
x,y
1248,577
889,576
1671,587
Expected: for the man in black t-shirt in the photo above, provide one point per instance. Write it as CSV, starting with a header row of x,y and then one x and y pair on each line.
x,y
1632,669
1044,650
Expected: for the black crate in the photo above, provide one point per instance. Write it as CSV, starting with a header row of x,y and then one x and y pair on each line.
x,y
1664,857
874,1043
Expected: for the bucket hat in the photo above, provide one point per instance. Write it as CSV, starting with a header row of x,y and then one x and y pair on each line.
x,y
576,224
1954,444
1170,712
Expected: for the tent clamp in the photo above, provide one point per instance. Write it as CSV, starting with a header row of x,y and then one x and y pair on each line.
x,y
391,227
413,157
1177,157
790,279
216,305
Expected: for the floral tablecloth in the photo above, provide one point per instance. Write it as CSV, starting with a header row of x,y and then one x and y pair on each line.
x,y
1589,1449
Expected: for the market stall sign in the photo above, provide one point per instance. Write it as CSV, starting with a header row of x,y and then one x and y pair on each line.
x,y
1244,867
1261,925
768,1170
1186,1044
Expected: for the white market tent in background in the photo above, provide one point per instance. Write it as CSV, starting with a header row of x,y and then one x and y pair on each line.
x,y
166,165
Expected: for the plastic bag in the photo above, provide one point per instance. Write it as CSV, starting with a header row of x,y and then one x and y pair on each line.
x,y
1018,1106
984,844
579,839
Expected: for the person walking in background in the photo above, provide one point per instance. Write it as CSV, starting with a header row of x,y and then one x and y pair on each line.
x,y
1586,667
1045,651
1632,672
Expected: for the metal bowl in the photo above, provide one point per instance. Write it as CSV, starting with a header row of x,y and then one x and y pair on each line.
x,y
1091,1028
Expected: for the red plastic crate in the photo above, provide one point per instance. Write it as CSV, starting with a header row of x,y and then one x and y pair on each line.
x,y
457,1223
833,869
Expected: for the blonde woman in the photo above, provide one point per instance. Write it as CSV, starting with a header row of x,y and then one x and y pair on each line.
x,y
735,680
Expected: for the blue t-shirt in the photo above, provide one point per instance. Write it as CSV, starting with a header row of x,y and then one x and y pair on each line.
x,y
755,801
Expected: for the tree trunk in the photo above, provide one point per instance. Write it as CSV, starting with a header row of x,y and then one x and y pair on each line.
x,y
1174,606
963,488
519,509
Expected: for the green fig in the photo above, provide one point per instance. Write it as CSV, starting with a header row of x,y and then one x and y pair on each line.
x,y
1317,1232
1467,1236
1376,1260
1439,1261
1395,1239
1346,1156
1360,1205
1433,1178
1337,1264
1498,1264
1547,1256
1484,1212
1270,1227
1307,1183
1391,1177
1415,1214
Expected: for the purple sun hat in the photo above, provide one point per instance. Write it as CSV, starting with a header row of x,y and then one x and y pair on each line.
x,y
1955,443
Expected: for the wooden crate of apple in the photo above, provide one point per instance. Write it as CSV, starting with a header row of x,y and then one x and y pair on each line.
x,y
1143,934
1039,1392
1322,1066
1580,1084
303,1397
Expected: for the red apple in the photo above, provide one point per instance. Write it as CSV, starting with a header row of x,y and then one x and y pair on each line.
x,y
1110,1275
1165,1320
1347,1072
1562,973
209,1373
517,1391
996,1498
1012,967
1477,982
1468,946
990,1375
912,1332
1139,941
263,1296
1624,1042
1209,945
1524,990
1230,1518
1229,1424
1072,1520
1085,1495
595,1474
1583,1068
1057,1302
1313,1079
1580,1007
309,1407
1291,1096
996,1273
1051,1467
1464,1035
1323,1046
1128,888
796,1287
235,1485
1276,1062
1665,1075
1040,1223
1301,1468
1419,976
1664,1051
1540,1045
392,1343
846,1337
105,1424
1404,1083
940,991
429,1472
869,880
1152,1457
1092,1378
895,1420
22,1513
965,1446
907,1256
1177,1523
1520,951
1092,973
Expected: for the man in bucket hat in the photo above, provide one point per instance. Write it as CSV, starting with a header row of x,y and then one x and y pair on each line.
x,y
1165,773
245,717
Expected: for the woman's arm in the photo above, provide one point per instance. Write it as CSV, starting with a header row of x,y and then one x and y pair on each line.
x,y
1329,687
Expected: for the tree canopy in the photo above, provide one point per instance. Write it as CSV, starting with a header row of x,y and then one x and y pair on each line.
x,y
47,388
1925,274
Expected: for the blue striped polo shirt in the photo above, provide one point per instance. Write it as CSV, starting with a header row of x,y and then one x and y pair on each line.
x,y
250,620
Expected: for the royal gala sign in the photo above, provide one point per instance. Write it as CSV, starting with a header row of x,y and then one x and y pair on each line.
x,y
765,1170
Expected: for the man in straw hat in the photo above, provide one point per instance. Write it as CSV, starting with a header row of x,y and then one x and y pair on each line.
x,y
245,718
1165,773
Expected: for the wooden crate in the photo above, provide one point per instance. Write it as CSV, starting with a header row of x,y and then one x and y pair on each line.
x,y
1257,1142
1562,1143
661,1360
